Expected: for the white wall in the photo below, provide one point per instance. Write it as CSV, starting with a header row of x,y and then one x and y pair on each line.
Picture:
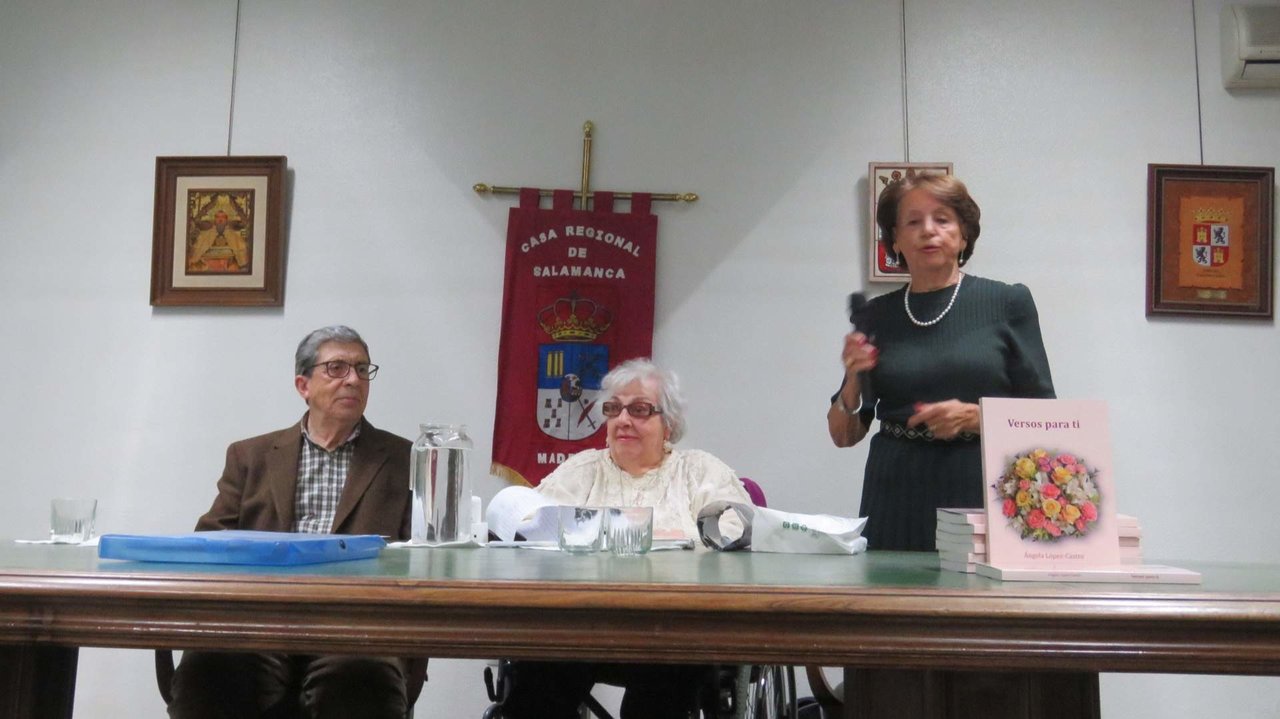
x,y
390,111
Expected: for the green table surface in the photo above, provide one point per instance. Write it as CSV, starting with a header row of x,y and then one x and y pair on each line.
x,y
879,609
914,570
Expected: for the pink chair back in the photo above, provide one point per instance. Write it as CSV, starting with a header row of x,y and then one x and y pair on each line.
x,y
754,491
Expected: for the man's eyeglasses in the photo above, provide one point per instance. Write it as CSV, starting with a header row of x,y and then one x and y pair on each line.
x,y
337,369
637,410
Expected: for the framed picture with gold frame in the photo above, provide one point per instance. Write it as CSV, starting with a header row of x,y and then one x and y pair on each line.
x,y
219,232
883,266
1210,237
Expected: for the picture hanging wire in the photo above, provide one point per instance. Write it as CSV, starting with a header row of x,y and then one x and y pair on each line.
x,y
906,131
235,65
1195,44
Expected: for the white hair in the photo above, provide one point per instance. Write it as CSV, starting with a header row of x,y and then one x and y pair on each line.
x,y
643,370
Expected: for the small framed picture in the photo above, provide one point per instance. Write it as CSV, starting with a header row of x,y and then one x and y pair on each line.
x,y
218,232
884,265
1210,236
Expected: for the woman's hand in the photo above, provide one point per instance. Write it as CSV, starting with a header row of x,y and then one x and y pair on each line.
x,y
946,419
859,354
843,420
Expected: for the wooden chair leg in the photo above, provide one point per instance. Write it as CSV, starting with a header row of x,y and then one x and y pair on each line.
x,y
39,682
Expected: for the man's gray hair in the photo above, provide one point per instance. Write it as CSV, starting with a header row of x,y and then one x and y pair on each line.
x,y
670,399
304,359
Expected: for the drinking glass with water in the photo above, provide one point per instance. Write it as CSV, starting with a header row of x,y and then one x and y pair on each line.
x,y
71,520
630,530
581,529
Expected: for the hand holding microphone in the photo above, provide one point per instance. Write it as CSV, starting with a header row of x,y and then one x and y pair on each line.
x,y
859,353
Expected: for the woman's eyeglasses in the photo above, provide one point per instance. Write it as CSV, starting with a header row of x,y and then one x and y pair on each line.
x,y
637,410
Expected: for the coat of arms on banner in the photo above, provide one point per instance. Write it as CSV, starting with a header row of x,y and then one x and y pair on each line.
x,y
570,369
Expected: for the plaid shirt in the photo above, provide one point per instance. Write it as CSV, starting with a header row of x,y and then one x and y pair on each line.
x,y
321,477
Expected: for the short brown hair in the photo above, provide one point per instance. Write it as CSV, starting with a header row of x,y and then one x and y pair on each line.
x,y
945,189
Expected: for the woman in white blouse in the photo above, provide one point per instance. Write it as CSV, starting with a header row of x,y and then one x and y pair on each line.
x,y
638,468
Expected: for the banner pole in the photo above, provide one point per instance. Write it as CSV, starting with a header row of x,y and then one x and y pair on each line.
x,y
584,195
483,189
587,127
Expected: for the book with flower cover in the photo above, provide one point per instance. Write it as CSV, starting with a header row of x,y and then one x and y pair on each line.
x,y
954,558
1128,522
952,565
959,555
959,520
1124,573
962,517
962,558
1048,485
966,542
969,538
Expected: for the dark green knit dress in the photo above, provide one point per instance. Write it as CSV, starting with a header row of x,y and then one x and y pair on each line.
x,y
988,345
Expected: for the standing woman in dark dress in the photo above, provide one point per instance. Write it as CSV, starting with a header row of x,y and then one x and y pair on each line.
x,y
921,357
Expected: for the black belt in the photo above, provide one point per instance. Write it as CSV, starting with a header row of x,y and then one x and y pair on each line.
x,y
901,431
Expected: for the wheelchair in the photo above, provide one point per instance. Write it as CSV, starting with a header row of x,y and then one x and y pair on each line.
x,y
731,692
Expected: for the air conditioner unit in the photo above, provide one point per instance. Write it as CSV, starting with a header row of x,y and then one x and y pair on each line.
x,y
1251,46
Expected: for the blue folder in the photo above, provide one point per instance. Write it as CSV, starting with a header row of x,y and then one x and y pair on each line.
x,y
238,546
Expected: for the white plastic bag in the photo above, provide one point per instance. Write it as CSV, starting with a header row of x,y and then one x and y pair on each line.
x,y
770,530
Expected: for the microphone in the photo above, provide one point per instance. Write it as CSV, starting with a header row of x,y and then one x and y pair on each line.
x,y
857,303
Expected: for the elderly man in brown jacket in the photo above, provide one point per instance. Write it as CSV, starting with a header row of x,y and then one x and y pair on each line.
x,y
330,472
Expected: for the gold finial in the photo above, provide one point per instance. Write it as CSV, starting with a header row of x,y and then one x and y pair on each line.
x,y
688,197
588,128
481,188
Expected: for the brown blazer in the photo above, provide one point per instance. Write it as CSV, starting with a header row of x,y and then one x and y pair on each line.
x,y
257,487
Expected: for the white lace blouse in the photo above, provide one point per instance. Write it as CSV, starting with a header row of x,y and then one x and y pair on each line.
x,y
685,482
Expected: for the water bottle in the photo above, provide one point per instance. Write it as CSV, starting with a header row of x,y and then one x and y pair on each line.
x,y
441,484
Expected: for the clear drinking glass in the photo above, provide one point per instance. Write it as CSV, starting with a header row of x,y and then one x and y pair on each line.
x,y
581,529
71,520
630,530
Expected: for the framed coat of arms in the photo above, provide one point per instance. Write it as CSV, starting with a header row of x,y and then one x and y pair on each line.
x,y
1210,240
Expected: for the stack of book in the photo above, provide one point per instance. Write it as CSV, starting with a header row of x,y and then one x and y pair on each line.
x,y
962,539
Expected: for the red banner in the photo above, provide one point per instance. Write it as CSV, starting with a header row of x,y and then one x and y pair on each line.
x,y
577,300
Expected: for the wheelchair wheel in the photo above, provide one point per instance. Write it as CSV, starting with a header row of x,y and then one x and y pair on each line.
x,y
751,692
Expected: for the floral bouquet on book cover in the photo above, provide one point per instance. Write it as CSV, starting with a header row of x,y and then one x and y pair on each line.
x,y
1048,495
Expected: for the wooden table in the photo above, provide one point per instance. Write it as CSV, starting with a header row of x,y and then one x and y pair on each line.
x,y
878,611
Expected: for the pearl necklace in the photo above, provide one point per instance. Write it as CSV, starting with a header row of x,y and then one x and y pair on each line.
x,y
906,304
